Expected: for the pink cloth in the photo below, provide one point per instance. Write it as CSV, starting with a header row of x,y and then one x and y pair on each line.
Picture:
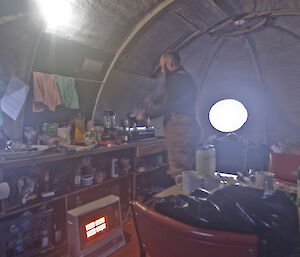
x,y
45,92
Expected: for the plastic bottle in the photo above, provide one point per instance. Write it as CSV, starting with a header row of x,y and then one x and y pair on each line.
x,y
78,201
57,233
77,179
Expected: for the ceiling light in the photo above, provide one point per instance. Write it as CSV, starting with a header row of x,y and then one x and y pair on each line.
x,y
228,115
56,12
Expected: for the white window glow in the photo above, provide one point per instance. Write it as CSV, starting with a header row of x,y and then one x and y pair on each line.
x,y
228,115
56,12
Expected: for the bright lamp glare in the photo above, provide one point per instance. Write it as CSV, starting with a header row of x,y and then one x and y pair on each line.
x,y
228,115
56,12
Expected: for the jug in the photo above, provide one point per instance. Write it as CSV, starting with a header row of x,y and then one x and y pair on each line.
x,y
206,160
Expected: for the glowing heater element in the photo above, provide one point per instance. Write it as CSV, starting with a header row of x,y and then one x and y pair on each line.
x,y
56,12
91,232
101,228
100,221
95,227
90,226
228,115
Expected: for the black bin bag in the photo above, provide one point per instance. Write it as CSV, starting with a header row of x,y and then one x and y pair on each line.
x,y
269,214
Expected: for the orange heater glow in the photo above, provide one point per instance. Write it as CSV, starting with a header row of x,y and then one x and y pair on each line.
x,y
95,227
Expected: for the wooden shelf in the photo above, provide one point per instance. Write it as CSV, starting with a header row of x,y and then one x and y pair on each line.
x,y
82,189
37,202
55,251
42,201
134,150
52,157
150,149
164,165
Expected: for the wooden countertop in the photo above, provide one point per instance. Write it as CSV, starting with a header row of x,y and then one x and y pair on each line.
x,y
50,157
173,190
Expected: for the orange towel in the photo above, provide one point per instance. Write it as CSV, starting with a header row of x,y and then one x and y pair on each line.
x,y
45,92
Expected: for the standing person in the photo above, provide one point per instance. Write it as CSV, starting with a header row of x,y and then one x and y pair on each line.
x,y
178,108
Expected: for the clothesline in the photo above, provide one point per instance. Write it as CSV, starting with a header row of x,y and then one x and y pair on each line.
x,y
87,80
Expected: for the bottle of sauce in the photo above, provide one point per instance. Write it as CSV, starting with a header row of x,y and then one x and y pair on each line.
x,y
79,129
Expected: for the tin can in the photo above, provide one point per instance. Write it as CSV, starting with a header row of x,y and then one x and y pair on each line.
x,y
30,136
50,129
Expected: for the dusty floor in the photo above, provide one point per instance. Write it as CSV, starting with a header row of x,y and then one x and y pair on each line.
x,y
132,248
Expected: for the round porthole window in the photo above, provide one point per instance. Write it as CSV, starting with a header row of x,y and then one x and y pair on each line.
x,y
228,115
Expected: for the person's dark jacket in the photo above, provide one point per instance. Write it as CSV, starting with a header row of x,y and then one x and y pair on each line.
x,y
179,97
181,94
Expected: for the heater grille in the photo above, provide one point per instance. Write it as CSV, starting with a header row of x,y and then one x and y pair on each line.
x,y
95,229
111,245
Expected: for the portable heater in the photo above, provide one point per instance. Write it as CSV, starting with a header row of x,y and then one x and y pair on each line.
x,y
95,229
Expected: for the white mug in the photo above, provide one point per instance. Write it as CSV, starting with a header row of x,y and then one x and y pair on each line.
x,y
189,181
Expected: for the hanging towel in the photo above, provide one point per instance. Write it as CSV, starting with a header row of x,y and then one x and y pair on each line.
x,y
67,91
45,92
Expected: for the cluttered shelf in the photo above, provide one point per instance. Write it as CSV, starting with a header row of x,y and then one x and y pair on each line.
x,y
111,180
50,251
16,209
58,250
12,168
39,201
51,183
75,152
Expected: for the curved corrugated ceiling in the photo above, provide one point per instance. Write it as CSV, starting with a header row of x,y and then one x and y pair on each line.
x,y
257,62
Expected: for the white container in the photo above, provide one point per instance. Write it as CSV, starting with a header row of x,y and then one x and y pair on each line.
x,y
87,180
206,160
114,168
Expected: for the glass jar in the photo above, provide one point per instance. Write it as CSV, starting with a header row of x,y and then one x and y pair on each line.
x,y
110,119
